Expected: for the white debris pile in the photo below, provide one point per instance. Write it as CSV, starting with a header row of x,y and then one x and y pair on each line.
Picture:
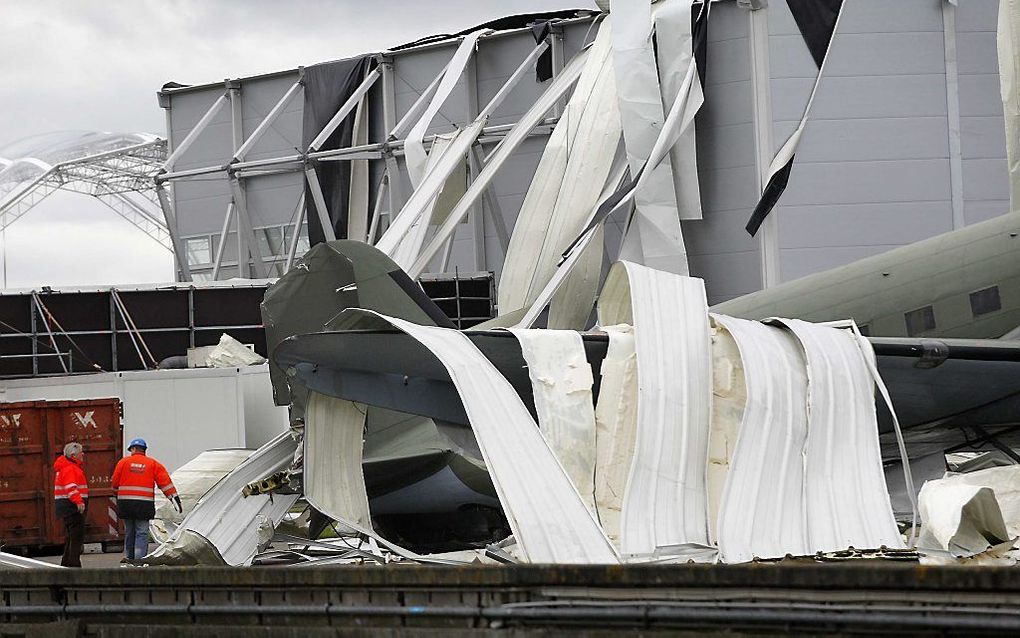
x,y
193,480
223,527
228,353
971,518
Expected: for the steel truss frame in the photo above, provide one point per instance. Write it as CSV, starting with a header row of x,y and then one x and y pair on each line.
x,y
122,179
390,194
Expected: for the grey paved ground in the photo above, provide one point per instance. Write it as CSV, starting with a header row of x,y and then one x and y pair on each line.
x,y
94,561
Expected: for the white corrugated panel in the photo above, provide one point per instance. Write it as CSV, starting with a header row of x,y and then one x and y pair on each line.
x,y
228,520
845,493
548,517
567,184
762,513
616,427
664,506
1008,42
561,379
333,479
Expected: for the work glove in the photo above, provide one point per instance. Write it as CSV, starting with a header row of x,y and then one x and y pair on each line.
x,y
81,508
177,504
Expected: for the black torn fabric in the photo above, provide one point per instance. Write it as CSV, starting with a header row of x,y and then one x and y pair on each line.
x,y
816,20
327,87
769,197
543,68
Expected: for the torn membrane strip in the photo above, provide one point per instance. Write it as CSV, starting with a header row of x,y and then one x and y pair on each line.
x,y
549,519
665,505
562,381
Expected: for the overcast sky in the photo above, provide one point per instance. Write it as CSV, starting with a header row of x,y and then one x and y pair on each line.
x,y
97,64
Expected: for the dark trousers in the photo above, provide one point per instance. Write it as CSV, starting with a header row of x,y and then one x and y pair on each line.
x,y
74,530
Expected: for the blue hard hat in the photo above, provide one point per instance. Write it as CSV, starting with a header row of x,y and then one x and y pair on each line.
x,y
138,443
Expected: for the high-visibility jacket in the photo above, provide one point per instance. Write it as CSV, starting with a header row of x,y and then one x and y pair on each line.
x,y
135,479
70,488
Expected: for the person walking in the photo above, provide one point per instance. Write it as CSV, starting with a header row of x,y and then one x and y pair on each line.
x,y
71,493
134,479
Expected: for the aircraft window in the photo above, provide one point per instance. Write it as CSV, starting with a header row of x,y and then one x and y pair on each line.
x,y
984,301
920,320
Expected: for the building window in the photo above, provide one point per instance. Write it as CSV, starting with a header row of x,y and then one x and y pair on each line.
x,y
271,241
302,244
198,251
920,320
985,301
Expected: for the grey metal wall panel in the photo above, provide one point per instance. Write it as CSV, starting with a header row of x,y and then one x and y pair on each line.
x,y
718,248
982,131
258,97
854,224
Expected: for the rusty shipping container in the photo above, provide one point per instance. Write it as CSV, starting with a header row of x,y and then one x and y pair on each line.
x,y
32,435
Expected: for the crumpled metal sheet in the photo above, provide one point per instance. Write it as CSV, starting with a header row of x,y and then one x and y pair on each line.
x,y
674,51
575,164
333,479
847,502
193,480
615,427
665,506
224,519
961,520
762,513
549,520
562,381
654,237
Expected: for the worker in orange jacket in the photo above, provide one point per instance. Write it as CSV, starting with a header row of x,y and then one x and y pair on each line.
x,y
71,493
134,480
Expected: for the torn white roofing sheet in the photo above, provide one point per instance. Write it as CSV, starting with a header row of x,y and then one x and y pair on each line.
x,y
193,480
664,507
408,246
421,200
548,517
654,237
227,519
1008,44
414,148
333,479
560,84
577,157
13,561
561,379
847,502
674,49
616,426
762,512
1005,482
